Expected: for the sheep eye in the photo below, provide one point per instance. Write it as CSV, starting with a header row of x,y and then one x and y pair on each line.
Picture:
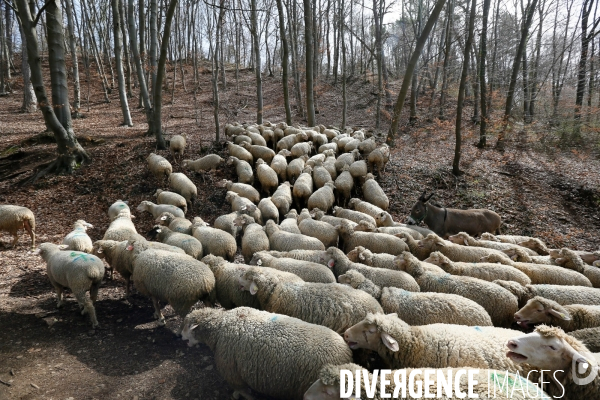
x,y
552,347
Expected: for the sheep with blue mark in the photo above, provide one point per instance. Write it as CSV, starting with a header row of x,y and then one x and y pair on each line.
x,y
78,239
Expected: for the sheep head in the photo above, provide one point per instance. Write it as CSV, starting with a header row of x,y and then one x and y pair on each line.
x,y
539,311
489,236
231,160
431,242
570,259
365,226
271,227
438,259
462,238
551,349
164,218
230,196
144,205
352,278
408,263
374,331
519,255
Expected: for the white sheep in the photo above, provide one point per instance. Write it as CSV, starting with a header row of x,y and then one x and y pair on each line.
x,y
266,176
174,223
569,317
254,240
13,218
243,189
80,272
332,305
463,238
239,153
281,362
157,209
177,145
281,240
172,198
214,241
308,271
159,166
117,208
303,188
243,170
321,230
181,184
282,198
78,239
323,198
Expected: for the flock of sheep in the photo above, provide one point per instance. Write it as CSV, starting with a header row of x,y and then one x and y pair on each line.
x,y
328,278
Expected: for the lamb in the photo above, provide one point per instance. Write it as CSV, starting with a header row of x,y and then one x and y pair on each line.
x,y
488,385
383,260
463,238
254,240
344,184
534,244
259,152
590,337
448,221
376,242
78,239
340,264
366,208
308,271
177,145
289,141
303,187
385,220
177,279
13,218
157,209
570,317
266,176
485,271
295,168
187,243
322,198
321,230
432,346
292,347
240,153
159,166
172,198
279,164
301,148
281,240
243,189
176,224
455,252
209,162
78,271
181,184
544,274
227,287
346,159
121,228
500,304
570,259
563,295
552,350
282,198
379,158
374,194
332,305
116,208
242,204
290,223
352,215
315,256
243,169
214,241
268,210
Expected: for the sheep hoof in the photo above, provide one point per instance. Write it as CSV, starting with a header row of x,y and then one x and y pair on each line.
x,y
161,321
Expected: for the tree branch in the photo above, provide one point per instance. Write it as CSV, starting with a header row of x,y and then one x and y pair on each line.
x,y
11,6
39,14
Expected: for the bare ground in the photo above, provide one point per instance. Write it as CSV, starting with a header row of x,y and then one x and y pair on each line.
x,y
52,354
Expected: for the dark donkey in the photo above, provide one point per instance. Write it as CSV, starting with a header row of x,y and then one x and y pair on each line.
x,y
450,221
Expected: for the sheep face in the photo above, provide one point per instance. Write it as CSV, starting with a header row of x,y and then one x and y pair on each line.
x,y
460,238
164,219
187,333
489,236
435,258
363,336
538,311
549,348
431,242
232,160
321,391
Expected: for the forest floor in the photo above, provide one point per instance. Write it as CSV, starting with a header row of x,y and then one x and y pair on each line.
x,y
537,188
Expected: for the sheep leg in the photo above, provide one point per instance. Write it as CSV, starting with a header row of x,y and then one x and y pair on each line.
x,y
29,230
94,291
59,294
157,314
15,240
87,307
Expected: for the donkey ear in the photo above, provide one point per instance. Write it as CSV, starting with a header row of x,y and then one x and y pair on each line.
x,y
422,197
430,196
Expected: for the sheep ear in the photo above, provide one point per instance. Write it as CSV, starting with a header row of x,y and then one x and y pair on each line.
x,y
561,315
193,327
361,256
465,241
99,251
163,218
441,243
389,342
259,262
331,263
253,288
129,247
63,246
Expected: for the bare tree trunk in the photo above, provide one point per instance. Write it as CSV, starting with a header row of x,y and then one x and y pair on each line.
x,y
144,95
119,63
344,78
461,89
586,37
309,43
284,63
29,104
153,46
123,21
70,152
447,55
435,13
413,85
482,81
73,48
257,66
293,28
156,127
